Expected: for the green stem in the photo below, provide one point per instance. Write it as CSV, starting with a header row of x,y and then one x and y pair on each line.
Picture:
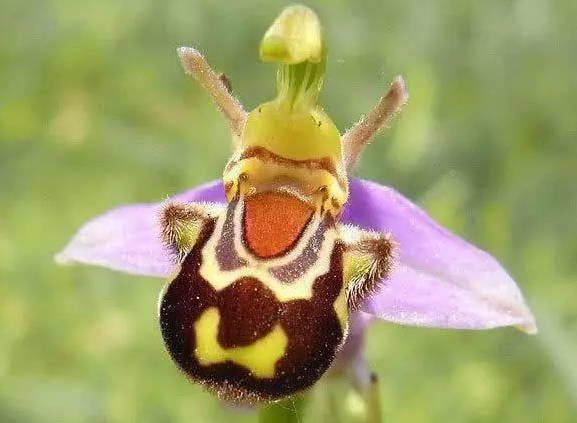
x,y
374,401
287,411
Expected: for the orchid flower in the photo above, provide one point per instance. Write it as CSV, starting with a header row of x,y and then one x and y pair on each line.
x,y
275,270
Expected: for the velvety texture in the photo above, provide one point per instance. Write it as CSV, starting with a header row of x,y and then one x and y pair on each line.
x,y
439,281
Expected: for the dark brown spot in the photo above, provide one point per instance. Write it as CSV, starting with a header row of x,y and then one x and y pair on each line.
x,y
225,81
238,303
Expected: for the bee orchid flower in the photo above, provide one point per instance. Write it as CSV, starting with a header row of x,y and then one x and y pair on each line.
x,y
274,270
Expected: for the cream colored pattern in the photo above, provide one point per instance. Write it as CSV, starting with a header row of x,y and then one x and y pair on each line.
x,y
258,173
259,268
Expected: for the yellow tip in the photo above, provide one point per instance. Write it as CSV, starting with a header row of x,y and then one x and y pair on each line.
x,y
294,37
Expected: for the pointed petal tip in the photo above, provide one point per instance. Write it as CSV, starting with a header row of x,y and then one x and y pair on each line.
x,y
529,326
70,255
62,258
518,317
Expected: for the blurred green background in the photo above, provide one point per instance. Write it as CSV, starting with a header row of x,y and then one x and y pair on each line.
x,y
95,111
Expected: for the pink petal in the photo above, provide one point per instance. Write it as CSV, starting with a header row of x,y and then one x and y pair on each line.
x,y
440,280
126,238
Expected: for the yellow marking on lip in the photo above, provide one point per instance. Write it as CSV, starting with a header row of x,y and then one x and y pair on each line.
x,y
260,172
260,358
340,307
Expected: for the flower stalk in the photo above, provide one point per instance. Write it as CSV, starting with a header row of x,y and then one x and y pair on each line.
x,y
290,410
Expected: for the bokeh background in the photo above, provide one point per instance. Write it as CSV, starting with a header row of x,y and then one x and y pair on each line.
x,y
95,112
